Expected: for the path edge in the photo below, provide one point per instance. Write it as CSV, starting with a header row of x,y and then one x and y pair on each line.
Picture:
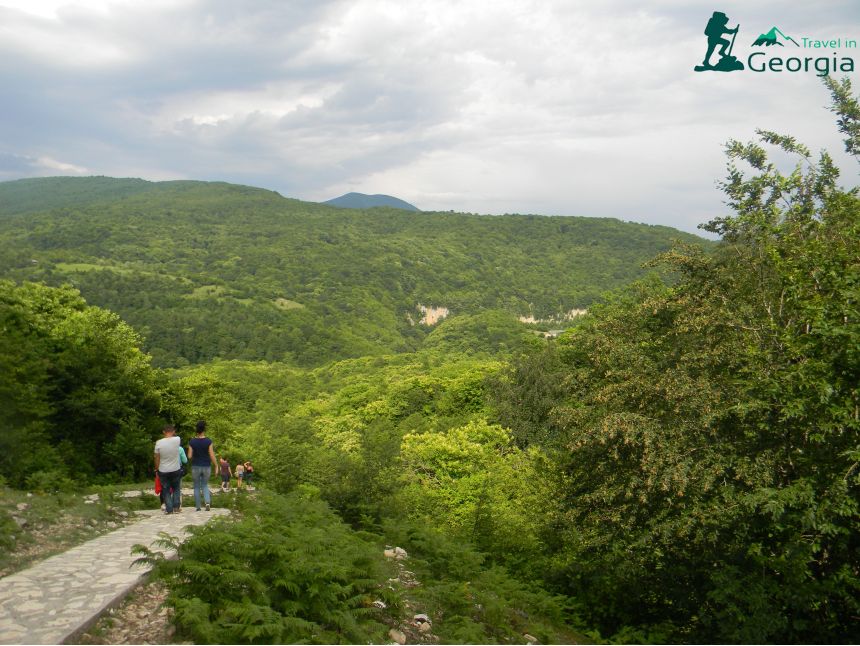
x,y
115,602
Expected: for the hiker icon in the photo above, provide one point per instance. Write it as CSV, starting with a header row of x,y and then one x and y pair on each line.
x,y
714,31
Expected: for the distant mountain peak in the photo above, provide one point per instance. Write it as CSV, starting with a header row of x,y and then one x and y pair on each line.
x,y
362,201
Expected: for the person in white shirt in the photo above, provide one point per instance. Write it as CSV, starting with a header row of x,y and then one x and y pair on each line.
x,y
167,467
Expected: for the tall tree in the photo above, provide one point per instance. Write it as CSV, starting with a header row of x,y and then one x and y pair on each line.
x,y
79,396
710,429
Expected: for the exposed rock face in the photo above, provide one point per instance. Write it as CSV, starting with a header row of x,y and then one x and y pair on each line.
x,y
567,316
432,315
397,553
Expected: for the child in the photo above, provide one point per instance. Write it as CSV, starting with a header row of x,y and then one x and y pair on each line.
x,y
226,474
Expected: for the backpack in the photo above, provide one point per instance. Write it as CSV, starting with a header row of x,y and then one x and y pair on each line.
x,y
715,26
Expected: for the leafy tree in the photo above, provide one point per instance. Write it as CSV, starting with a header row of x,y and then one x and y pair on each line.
x,y
204,395
79,397
488,332
471,481
710,428
25,405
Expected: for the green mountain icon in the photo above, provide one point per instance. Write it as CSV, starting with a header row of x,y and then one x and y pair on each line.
x,y
770,38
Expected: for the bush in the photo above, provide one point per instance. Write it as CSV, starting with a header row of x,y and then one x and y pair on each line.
x,y
49,481
289,571
471,603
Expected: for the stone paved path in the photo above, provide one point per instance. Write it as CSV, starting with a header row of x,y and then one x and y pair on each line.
x,y
61,596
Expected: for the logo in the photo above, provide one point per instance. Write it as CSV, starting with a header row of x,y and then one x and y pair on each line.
x,y
825,58
770,38
715,30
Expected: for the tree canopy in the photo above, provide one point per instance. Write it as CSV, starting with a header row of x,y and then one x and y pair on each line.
x,y
214,270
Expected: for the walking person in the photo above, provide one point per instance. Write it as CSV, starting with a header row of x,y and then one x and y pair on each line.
x,y
183,469
240,473
183,460
167,467
226,474
249,474
202,457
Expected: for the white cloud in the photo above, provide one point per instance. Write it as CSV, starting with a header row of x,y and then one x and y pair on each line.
x,y
14,166
514,105
63,167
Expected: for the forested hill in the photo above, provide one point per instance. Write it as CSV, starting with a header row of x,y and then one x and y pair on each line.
x,y
208,270
362,201
44,193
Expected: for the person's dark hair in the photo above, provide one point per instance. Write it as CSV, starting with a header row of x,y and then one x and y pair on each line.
x,y
169,428
201,427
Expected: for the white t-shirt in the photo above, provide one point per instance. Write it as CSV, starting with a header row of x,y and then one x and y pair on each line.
x,y
168,449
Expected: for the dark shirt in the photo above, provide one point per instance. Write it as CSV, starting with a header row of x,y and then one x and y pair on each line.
x,y
200,446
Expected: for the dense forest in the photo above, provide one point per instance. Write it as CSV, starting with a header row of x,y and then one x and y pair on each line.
x,y
210,270
681,465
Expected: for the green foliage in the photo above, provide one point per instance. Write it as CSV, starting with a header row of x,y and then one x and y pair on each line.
x,y
471,603
211,270
49,482
709,430
28,195
203,394
289,571
490,332
471,481
847,109
523,396
78,398
343,433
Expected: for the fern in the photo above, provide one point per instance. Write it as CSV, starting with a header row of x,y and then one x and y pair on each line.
x,y
287,571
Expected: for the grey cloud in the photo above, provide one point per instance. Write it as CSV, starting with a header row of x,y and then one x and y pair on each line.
x,y
12,165
530,86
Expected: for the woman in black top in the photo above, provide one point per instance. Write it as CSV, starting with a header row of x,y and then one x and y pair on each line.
x,y
202,457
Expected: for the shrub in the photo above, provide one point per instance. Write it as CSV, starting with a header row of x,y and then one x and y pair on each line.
x,y
49,481
289,571
472,603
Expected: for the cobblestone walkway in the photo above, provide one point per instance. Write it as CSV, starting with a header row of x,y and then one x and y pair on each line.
x,y
61,596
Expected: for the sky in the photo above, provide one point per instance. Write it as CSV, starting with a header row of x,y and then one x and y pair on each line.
x,y
555,107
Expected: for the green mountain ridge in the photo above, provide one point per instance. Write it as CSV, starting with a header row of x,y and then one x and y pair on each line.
x,y
206,270
37,194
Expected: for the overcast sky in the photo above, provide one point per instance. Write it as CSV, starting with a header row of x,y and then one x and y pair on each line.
x,y
502,106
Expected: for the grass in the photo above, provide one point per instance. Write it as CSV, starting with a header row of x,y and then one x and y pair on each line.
x,y
34,526
207,291
287,304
